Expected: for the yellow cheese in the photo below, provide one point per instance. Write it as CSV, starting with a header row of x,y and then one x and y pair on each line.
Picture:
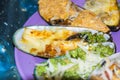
x,y
46,42
107,10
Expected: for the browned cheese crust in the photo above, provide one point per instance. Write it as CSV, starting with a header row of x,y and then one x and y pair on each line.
x,y
64,12
48,43
89,20
56,9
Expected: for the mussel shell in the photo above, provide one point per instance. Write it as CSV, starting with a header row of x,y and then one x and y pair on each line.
x,y
18,34
114,29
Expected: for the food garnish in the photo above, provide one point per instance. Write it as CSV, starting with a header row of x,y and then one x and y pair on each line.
x,y
54,41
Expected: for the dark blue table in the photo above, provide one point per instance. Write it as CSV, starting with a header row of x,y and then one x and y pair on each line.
x,y
13,14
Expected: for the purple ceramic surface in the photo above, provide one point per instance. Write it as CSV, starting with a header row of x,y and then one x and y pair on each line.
x,y
26,63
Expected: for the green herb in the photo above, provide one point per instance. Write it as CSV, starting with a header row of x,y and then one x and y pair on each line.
x,y
103,50
71,73
78,53
93,38
41,70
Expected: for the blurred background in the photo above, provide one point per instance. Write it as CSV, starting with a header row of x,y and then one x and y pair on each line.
x,y
13,15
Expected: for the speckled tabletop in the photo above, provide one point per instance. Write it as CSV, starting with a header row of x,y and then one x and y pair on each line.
x,y
13,14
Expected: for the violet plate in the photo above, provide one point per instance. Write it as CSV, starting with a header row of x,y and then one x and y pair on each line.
x,y
26,63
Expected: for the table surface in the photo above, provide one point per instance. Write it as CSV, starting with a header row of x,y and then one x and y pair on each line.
x,y
13,15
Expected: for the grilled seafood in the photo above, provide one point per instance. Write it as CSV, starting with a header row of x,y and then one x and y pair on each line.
x,y
109,69
54,41
107,10
65,12
75,65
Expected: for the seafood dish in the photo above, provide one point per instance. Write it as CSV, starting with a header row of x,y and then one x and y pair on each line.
x,y
107,10
108,69
75,65
66,68
77,44
46,41
72,52
66,13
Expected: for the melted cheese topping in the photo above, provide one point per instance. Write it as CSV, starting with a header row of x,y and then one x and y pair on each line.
x,y
54,9
67,13
47,42
52,42
107,10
